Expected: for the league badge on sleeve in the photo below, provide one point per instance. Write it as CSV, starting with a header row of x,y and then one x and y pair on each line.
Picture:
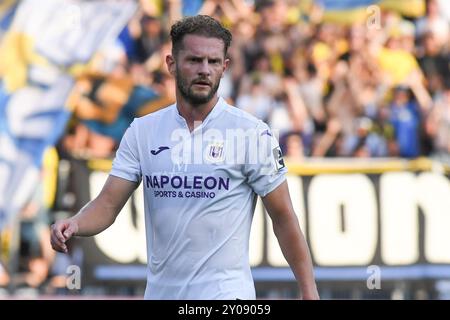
x,y
278,156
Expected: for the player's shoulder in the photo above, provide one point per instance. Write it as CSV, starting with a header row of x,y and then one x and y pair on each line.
x,y
243,118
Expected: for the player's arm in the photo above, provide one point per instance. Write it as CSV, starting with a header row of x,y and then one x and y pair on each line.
x,y
290,237
96,216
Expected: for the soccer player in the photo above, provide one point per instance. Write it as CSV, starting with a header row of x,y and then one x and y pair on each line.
x,y
202,163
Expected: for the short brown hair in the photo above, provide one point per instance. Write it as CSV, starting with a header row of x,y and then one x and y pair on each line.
x,y
201,25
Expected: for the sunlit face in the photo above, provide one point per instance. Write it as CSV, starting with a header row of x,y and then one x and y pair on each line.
x,y
198,67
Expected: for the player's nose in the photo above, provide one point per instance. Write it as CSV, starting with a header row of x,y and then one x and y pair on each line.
x,y
204,68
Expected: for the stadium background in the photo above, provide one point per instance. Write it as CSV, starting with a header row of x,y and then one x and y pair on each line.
x,y
358,90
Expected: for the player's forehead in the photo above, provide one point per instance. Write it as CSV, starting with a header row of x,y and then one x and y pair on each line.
x,y
202,46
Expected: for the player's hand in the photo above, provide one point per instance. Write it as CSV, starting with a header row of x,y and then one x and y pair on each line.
x,y
61,231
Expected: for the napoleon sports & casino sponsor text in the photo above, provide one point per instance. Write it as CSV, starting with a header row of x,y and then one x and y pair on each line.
x,y
186,187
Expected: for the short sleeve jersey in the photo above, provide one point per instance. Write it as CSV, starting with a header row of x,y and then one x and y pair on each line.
x,y
200,191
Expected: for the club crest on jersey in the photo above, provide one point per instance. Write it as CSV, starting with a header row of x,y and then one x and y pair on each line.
x,y
215,152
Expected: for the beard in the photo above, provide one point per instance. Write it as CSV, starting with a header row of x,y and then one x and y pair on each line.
x,y
192,97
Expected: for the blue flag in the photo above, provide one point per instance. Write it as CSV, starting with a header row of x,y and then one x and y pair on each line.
x,y
44,44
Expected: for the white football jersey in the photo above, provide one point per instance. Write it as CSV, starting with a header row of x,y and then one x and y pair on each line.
x,y
200,192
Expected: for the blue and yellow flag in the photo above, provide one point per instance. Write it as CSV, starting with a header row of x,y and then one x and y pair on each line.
x,y
350,11
45,41
7,10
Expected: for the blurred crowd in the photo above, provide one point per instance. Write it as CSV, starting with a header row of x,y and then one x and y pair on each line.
x,y
372,88
376,88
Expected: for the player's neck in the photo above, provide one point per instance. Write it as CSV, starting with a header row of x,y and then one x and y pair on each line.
x,y
195,114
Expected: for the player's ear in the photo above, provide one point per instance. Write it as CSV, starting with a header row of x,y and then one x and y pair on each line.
x,y
170,62
226,63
